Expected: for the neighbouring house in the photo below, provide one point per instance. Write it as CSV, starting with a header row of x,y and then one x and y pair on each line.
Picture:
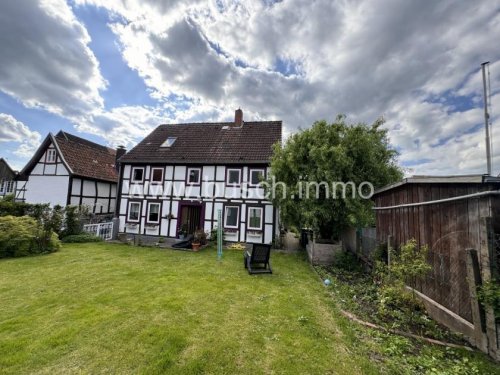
x,y
180,177
69,170
458,218
7,179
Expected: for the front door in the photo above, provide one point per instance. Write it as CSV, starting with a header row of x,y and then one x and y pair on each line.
x,y
190,218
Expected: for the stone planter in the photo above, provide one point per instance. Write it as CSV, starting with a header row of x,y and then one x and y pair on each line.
x,y
323,253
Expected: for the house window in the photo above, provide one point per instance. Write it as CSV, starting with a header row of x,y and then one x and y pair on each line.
x,y
157,175
134,211
168,142
231,216
154,213
256,176
255,218
2,187
10,187
137,174
194,175
233,176
51,156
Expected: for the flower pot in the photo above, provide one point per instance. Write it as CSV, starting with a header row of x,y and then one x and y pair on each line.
x,y
195,246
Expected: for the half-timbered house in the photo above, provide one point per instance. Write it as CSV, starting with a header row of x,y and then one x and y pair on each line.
x,y
69,170
181,176
7,179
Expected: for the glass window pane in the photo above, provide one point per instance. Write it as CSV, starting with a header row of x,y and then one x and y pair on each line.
x,y
255,177
255,218
234,177
154,211
157,175
232,216
194,176
137,174
134,211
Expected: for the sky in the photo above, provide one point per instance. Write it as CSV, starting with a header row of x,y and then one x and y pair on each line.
x,y
112,70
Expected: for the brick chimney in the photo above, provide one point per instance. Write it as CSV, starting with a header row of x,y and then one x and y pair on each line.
x,y
120,151
238,118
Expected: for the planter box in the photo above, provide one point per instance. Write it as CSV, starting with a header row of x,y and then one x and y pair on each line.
x,y
322,253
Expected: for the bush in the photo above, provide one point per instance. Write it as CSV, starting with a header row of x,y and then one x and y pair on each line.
x,y
21,236
72,221
489,295
214,234
81,238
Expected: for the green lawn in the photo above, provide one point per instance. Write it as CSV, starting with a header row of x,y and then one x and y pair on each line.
x,y
106,308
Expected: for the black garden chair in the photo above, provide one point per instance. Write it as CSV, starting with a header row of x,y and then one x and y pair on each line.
x,y
258,260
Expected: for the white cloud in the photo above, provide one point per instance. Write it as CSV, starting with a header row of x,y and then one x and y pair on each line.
x,y
411,62
363,58
12,130
45,60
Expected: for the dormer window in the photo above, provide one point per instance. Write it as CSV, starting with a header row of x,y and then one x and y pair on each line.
x,y
168,142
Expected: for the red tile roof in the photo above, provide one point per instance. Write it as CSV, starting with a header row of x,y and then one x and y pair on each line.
x,y
205,143
87,159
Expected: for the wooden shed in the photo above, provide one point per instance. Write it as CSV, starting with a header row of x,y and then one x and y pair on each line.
x,y
458,218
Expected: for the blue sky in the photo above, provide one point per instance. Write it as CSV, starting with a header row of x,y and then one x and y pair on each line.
x,y
111,71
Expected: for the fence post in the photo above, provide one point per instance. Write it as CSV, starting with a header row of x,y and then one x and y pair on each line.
x,y
485,255
478,317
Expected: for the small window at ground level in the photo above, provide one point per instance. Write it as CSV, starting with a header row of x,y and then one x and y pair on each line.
x,y
137,174
134,210
154,213
255,218
194,175
233,176
157,175
231,216
256,176
51,156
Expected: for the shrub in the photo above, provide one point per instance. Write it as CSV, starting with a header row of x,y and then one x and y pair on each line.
x,y
406,266
214,233
489,295
21,236
73,220
81,238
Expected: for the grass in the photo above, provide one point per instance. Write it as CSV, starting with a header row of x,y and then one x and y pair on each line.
x,y
109,308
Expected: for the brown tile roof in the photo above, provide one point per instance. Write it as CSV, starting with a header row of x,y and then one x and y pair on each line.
x,y
218,143
87,159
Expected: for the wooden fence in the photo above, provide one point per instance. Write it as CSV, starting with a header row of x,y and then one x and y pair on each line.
x,y
454,230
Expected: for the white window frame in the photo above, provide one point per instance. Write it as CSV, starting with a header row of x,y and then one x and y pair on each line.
x,y
128,212
199,176
149,210
2,186
51,155
261,218
239,177
262,172
237,217
152,174
9,187
132,179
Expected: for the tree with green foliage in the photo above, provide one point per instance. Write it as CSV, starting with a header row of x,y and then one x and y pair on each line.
x,y
332,153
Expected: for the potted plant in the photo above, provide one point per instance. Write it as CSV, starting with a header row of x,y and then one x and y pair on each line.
x,y
199,239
